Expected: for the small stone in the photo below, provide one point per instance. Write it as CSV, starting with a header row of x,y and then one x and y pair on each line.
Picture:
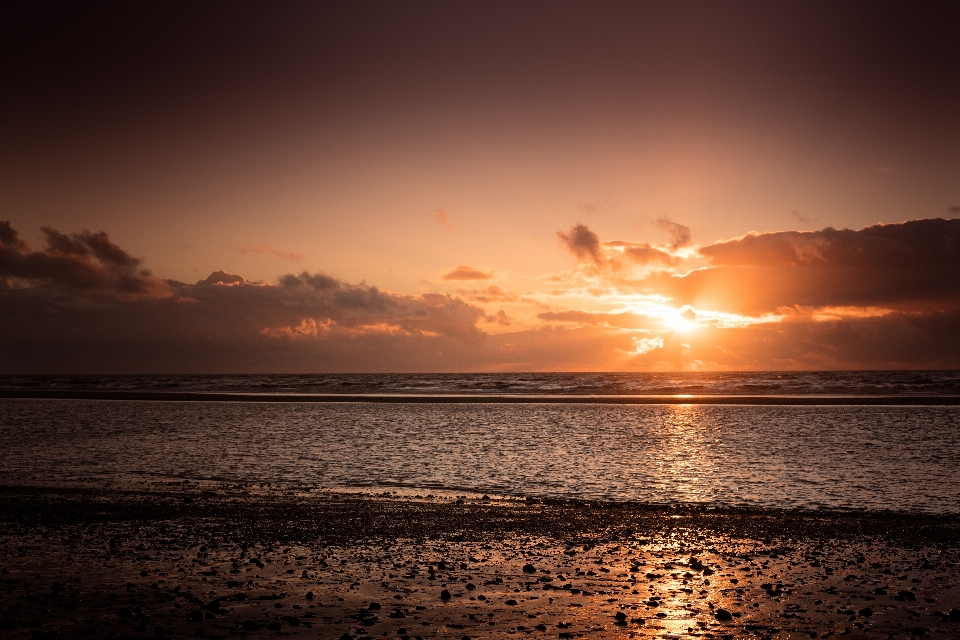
x,y
723,615
529,568
511,602
620,616
309,595
374,606
444,595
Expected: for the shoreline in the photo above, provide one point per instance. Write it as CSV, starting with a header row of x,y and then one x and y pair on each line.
x,y
229,560
760,400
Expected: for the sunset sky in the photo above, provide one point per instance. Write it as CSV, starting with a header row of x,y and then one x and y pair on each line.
x,y
479,186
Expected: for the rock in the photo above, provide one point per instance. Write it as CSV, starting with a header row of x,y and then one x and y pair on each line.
x,y
213,606
529,568
444,595
511,602
866,613
374,606
309,595
485,498
250,625
621,616
195,616
723,615
696,565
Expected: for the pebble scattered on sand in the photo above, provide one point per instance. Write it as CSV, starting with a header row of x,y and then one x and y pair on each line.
x,y
101,564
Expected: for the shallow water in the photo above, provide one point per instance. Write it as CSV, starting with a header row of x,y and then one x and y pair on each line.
x,y
874,458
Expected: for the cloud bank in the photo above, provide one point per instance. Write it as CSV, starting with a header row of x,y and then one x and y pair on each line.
x,y
886,296
911,266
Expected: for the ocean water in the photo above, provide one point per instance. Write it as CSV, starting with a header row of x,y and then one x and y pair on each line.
x,y
858,383
813,457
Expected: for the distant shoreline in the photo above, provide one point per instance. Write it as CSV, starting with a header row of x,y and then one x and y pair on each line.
x,y
203,396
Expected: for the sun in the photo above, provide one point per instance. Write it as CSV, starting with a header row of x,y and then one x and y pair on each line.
x,y
683,320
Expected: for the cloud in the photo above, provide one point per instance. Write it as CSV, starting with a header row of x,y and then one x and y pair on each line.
x,y
954,210
622,320
493,293
799,217
907,266
643,253
441,218
269,249
586,245
223,278
582,243
679,233
881,297
81,261
464,272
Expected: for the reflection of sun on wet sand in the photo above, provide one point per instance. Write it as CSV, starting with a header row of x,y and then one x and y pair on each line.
x,y
226,561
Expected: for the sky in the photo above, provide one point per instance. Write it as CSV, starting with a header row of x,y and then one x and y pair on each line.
x,y
479,186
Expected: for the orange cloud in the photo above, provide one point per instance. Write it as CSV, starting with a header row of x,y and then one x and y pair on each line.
x,y
910,265
464,272
269,249
882,297
441,218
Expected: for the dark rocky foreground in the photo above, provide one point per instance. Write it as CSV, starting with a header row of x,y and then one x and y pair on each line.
x,y
179,560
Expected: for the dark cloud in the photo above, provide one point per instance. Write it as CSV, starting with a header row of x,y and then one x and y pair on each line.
x,y
679,234
583,243
954,210
464,272
307,322
81,261
913,265
316,281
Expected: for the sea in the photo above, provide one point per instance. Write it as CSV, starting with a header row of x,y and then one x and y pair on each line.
x,y
868,457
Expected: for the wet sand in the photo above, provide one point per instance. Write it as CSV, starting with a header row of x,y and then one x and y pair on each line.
x,y
228,560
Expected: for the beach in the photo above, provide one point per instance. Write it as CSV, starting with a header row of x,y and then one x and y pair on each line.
x,y
181,558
